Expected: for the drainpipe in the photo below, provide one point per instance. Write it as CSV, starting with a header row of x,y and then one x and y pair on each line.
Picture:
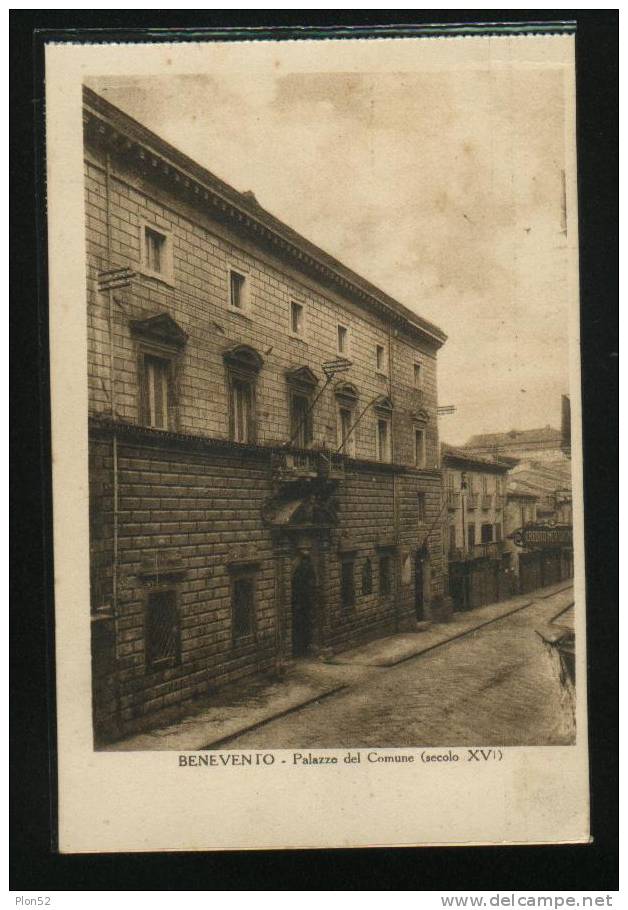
x,y
114,439
395,491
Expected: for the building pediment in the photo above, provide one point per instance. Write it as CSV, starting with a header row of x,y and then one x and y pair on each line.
x,y
303,376
346,391
243,356
161,328
383,403
420,416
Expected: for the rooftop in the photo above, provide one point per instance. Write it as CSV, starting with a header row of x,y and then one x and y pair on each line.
x,y
546,436
462,456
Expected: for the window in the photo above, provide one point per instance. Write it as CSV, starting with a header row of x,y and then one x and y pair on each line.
x,y
297,319
243,604
156,252
385,574
343,339
242,410
380,358
471,483
419,448
345,436
471,535
156,396
300,421
237,291
154,249
484,483
452,537
421,513
383,439
498,532
162,637
451,482
347,588
367,577
417,376
243,364
487,533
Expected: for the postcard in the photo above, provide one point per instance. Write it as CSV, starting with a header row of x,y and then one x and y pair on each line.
x,y
316,433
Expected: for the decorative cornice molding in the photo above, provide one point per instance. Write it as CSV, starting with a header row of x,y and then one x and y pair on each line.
x,y
107,126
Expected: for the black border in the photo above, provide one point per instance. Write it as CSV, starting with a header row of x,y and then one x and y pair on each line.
x,y
34,864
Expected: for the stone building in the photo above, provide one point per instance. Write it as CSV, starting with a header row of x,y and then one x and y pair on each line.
x,y
264,457
479,564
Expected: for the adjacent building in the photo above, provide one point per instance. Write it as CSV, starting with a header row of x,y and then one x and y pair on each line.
x,y
479,563
542,444
265,477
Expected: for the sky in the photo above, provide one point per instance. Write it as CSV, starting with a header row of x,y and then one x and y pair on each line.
x,y
443,188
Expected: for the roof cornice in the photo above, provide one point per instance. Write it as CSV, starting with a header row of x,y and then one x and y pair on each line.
x,y
108,126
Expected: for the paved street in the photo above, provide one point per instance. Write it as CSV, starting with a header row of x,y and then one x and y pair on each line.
x,y
494,686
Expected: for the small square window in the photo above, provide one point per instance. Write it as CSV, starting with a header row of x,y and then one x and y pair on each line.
x,y
380,358
418,376
154,249
343,339
243,605
237,287
421,513
297,318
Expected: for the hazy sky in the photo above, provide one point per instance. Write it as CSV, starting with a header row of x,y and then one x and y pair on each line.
x,y
443,188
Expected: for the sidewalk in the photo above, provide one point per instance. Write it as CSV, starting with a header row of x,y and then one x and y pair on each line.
x,y
253,703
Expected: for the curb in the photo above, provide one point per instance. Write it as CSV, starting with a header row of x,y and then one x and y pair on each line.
x,y
445,641
267,720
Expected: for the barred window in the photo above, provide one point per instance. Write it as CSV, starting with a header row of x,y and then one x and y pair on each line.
x,y
385,574
347,587
162,634
367,577
243,604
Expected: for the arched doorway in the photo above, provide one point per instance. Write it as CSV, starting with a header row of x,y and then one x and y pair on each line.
x,y
303,605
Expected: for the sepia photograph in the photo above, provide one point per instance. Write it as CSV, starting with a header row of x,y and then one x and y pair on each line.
x,y
330,358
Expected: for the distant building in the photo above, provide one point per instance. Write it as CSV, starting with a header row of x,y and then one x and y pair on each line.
x,y
543,444
550,482
541,564
479,564
565,425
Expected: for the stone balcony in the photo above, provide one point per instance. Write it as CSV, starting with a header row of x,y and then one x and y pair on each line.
x,y
299,466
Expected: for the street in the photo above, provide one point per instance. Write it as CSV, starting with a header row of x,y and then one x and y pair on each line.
x,y
494,686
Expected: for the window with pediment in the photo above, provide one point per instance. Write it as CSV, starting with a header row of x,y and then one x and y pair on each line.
x,y
243,364
302,383
160,342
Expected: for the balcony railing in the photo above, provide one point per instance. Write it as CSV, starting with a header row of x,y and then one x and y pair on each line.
x,y
492,550
487,500
453,499
472,500
292,466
